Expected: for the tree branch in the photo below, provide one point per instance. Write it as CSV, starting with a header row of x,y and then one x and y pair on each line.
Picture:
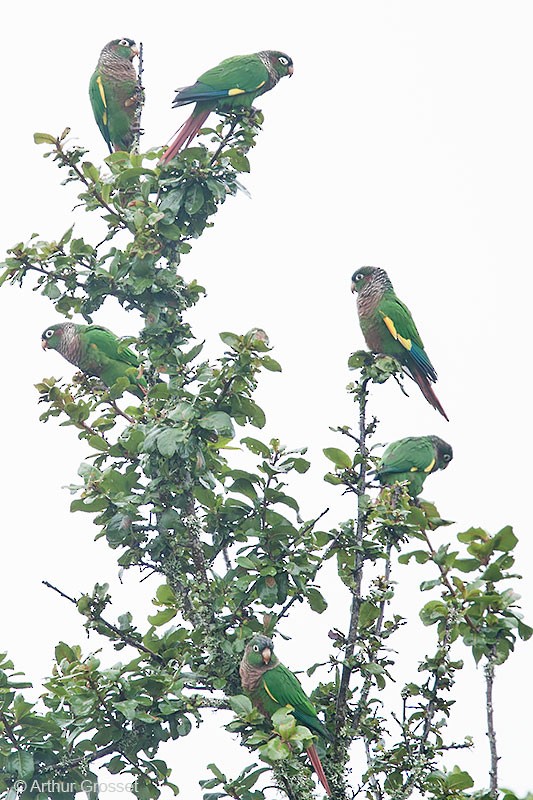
x,y
341,704
124,637
491,732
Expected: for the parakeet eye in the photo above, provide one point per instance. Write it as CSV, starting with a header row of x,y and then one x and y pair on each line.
x,y
48,334
256,648
446,457
124,42
283,60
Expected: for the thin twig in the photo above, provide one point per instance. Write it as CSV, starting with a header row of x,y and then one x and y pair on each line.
x,y
119,411
349,650
8,729
446,582
225,140
377,633
491,731
140,102
124,637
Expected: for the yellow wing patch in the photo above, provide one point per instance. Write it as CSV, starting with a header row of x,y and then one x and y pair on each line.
x,y
101,89
430,466
391,327
269,693
233,92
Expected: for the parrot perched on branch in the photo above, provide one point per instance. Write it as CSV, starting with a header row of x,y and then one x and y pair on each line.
x,y
115,94
96,351
389,328
272,686
233,84
412,459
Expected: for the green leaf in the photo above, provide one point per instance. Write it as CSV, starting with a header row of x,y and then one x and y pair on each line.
x,y
256,447
215,770
492,574
433,612
270,364
98,442
341,459
524,631
162,616
301,465
50,290
505,540
458,780
231,339
466,564
240,704
44,138
275,750
20,764
64,652
194,199
168,440
329,477
316,600
237,160
368,613
420,556
217,421
127,707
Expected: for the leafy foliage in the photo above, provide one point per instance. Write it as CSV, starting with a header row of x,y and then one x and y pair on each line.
x,y
225,535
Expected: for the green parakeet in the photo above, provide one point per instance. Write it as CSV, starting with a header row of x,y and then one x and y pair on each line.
x,y
413,459
114,93
272,686
96,351
389,328
233,84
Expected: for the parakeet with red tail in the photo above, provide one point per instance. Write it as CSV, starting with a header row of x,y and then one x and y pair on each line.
x,y
233,84
271,686
389,328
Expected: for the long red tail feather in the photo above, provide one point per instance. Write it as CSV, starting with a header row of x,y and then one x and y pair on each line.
x,y
317,765
426,389
184,135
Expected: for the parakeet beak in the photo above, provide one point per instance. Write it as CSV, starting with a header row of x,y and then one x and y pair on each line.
x,y
266,655
135,50
290,71
44,344
353,287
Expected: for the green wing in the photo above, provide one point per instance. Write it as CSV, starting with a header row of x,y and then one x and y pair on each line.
x,y
109,345
285,688
391,308
413,454
98,100
247,73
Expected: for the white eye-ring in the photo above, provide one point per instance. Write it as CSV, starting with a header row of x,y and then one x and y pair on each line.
x,y
283,60
256,648
124,43
446,457
49,333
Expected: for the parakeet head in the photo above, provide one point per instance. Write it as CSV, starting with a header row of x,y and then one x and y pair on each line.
x,y
123,48
259,651
53,337
367,277
281,62
444,452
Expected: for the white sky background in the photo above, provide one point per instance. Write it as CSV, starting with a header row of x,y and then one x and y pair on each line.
x,y
403,140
